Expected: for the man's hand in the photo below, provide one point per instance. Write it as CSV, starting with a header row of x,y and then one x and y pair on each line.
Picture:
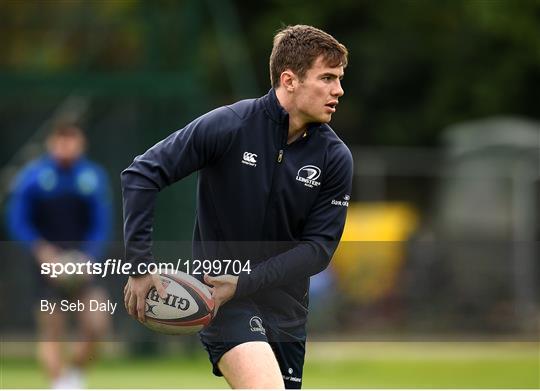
x,y
223,289
135,293
45,252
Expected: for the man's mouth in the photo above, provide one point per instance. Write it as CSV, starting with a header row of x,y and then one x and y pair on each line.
x,y
332,105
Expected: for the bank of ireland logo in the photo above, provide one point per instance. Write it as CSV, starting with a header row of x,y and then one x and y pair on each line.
x,y
255,325
308,175
344,202
249,158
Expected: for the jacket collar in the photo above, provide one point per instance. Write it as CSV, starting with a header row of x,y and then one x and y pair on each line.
x,y
274,109
278,114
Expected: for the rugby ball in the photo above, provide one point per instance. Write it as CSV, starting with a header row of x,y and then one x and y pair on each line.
x,y
187,309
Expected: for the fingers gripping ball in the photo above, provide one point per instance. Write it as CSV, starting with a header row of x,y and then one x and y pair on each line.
x,y
187,309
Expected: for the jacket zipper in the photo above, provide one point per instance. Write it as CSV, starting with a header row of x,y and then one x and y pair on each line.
x,y
279,159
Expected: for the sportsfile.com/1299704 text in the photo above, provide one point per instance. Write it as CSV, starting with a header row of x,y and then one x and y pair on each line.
x,y
118,267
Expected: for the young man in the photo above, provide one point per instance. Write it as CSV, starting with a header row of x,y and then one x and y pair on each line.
x,y
271,171
60,203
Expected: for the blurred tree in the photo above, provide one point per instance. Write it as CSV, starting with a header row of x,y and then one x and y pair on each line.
x,y
415,65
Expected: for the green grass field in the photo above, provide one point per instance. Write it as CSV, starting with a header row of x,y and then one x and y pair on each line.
x,y
328,365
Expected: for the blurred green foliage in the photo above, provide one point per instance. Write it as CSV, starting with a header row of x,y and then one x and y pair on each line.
x,y
148,68
415,65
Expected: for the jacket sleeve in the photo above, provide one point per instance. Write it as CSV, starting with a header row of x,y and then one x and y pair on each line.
x,y
19,209
320,236
200,143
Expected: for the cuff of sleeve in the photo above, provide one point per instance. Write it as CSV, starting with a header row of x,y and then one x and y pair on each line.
x,y
136,269
243,287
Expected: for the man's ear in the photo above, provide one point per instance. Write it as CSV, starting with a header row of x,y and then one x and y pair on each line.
x,y
288,80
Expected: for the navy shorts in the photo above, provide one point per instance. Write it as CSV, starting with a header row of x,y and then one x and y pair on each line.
x,y
240,321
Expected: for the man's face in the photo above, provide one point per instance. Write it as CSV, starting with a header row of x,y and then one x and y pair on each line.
x,y
66,149
317,95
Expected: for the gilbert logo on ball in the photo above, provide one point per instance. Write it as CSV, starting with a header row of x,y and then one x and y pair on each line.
x,y
187,309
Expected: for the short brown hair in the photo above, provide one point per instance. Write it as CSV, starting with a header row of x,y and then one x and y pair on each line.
x,y
62,128
297,47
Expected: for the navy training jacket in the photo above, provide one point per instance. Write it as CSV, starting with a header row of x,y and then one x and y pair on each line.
x,y
68,206
252,187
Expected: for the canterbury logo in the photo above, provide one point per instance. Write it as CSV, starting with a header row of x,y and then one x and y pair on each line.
x,y
308,175
249,159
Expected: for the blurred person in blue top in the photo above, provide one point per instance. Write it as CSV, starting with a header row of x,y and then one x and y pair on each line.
x,y
60,210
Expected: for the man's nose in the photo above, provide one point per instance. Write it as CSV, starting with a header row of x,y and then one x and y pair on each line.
x,y
338,90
